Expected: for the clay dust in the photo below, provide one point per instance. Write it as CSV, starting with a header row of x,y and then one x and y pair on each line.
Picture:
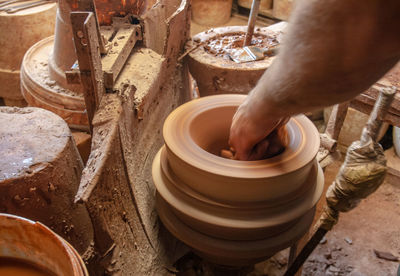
x,y
228,44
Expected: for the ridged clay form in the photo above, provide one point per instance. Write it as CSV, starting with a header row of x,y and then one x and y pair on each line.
x,y
234,212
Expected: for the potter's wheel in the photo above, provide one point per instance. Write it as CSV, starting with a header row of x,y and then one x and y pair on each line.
x,y
234,212
231,252
234,221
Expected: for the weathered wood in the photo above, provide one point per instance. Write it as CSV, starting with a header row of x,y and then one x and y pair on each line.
x,y
365,102
336,120
90,6
334,125
327,142
122,45
116,185
87,50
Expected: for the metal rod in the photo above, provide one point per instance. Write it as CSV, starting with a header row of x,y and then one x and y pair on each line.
x,y
292,253
252,22
306,252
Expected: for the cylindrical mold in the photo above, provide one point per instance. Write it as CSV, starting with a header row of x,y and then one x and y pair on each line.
x,y
42,88
211,12
215,72
43,80
26,242
40,173
282,9
19,31
234,212
264,4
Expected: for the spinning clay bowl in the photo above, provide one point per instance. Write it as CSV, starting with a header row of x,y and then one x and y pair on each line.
x,y
234,212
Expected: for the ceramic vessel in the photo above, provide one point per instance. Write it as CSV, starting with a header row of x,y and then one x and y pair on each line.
x,y
220,75
211,12
42,88
34,243
19,31
234,212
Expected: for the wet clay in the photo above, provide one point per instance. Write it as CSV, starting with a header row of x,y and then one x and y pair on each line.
x,y
213,70
227,44
14,267
277,141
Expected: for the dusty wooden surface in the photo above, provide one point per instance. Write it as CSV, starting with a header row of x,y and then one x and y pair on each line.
x,y
116,184
365,101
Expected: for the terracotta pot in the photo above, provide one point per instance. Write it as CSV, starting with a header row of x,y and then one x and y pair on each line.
x,y
36,244
217,205
211,12
218,75
20,31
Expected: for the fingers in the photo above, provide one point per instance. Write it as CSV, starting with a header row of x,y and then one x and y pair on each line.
x,y
247,135
258,152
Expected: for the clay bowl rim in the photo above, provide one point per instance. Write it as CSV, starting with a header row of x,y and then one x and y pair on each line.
x,y
204,57
69,251
187,150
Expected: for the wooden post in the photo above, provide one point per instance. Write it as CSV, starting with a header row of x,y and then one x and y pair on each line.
x,y
88,52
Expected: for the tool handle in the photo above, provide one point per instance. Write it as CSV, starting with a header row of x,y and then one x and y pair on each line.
x,y
252,22
306,252
378,113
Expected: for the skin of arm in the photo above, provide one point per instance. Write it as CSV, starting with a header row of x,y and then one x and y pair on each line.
x,y
333,50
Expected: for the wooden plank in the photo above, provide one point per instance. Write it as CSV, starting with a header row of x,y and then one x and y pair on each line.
x,y
391,118
366,100
89,6
122,46
87,51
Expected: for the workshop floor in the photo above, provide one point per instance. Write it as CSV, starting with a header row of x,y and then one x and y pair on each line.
x,y
349,247
373,225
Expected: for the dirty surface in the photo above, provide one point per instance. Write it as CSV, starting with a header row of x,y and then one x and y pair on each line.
x,y
228,44
349,248
40,171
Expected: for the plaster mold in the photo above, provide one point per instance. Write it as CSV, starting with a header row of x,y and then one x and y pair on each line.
x,y
19,31
215,73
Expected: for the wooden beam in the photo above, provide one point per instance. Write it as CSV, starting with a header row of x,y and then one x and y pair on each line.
x,y
122,45
90,6
88,53
365,102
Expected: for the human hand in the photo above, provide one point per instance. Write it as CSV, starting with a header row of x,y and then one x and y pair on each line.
x,y
256,137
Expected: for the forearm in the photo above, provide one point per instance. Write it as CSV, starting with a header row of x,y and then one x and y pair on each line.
x,y
333,50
